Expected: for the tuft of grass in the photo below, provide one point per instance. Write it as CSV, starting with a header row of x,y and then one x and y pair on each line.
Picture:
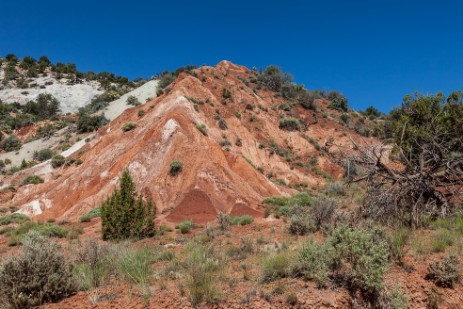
x,y
134,266
203,268
276,266
441,239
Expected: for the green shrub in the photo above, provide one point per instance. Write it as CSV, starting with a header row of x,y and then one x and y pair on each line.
x,y
224,221
166,79
6,230
13,218
90,123
11,143
273,78
290,124
175,167
434,299
203,268
44,229
185,227
397,298
322,212
446,272
43,155
336,188
307,100
202,129
243,220
314,262
45,106
95,212
276,266
129,126
366,251
32,180
38,274
285,107
226,93
301,221
132,100
338,101
245,248
123,216
57,161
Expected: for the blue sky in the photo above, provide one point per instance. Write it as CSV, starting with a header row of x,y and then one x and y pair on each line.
x,y
372,51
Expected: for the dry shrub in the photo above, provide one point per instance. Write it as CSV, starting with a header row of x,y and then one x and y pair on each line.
x,y
38,274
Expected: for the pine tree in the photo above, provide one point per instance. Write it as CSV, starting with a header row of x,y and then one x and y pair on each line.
x,y
124,216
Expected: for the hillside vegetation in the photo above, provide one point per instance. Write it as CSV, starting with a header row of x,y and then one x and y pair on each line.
x,y
238,188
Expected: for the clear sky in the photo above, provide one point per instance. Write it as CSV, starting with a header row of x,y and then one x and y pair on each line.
x,y
373,51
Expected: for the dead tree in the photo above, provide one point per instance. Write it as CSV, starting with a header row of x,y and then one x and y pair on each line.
x,y
404,190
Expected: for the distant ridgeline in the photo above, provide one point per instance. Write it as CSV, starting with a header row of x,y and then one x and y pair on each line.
x,y
31,90
18,70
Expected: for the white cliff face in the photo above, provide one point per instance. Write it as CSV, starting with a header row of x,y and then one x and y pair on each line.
x,y
71,97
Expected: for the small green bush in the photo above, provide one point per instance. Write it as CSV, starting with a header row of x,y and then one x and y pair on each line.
x,y
314,262
336,189
202,129
322,212
13,218
11,143
132,100
129,126
57,161
366,251
301,223
290,124
224,221
32,180
276,266
243,220
38,274
175,167
90,123
398,298
226,93
44,229
338,101
446,272
95,212
43,155
185,227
